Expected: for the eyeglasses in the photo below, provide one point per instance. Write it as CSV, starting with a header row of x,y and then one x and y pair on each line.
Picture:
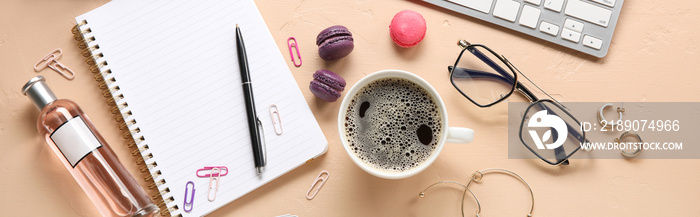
x,y
486,78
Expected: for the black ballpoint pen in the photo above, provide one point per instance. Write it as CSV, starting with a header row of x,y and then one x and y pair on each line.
x,y
253,121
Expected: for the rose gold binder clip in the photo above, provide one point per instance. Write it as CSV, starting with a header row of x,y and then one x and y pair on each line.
x,y
51,61
222,171
296,47
214,180
320,180
276,119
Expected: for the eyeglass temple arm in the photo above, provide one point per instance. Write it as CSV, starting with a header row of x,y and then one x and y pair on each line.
x,y
491,63
559,152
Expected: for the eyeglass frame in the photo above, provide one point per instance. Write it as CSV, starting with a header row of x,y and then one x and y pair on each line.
x,y
580,137
466,46
517,85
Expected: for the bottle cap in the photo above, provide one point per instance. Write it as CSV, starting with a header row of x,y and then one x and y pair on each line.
x,y
38,92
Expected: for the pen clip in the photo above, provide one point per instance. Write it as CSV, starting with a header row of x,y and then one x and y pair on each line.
x,y
262,136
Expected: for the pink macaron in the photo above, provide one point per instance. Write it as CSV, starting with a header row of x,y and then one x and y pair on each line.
x,y
407,28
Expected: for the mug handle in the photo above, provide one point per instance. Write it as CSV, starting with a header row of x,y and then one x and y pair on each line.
x,y
459,135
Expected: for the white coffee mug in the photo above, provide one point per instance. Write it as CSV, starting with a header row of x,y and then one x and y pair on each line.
x,y
447,134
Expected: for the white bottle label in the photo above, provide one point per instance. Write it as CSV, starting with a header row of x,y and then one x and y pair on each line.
x,y
75,140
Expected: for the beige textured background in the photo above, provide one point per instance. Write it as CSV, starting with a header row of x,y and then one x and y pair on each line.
x,y
653,57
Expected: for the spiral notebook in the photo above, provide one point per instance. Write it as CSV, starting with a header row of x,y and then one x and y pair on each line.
x,y
170,71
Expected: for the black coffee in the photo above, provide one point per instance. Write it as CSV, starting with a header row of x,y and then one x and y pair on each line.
x,y
393,124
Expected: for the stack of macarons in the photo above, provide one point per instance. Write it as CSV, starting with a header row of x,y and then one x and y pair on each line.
x,y
334,42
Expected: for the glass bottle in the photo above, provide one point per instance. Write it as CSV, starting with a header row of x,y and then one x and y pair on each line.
x,y
86,155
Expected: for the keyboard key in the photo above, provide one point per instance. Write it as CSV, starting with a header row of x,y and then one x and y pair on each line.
x,y
554,5
549,28
573,25
479,5
506,9
592,42
570,35
588,12
529,16
609,3
535,2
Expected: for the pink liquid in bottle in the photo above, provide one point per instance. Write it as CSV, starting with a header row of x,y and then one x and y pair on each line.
x,y
86,155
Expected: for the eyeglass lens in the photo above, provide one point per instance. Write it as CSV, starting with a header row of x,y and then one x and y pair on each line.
x,y
549,132
482,76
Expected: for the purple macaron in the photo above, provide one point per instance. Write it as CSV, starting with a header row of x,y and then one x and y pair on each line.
x,y
334,42
327,85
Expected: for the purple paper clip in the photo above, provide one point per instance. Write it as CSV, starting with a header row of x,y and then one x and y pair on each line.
x,y
221,169
296,47
190,204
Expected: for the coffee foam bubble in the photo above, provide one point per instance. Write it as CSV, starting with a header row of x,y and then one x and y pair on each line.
x,y
393,124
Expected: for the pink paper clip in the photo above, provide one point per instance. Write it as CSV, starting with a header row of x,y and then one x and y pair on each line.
x,y
320,180
276,119
296,47
51,61
214,180
220,170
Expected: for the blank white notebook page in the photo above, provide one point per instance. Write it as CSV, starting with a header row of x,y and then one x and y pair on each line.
x,y
175,62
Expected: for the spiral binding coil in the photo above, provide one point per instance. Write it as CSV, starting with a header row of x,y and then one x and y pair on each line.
x,y
123,116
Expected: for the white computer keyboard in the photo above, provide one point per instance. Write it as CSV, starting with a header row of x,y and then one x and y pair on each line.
x,y
583,25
